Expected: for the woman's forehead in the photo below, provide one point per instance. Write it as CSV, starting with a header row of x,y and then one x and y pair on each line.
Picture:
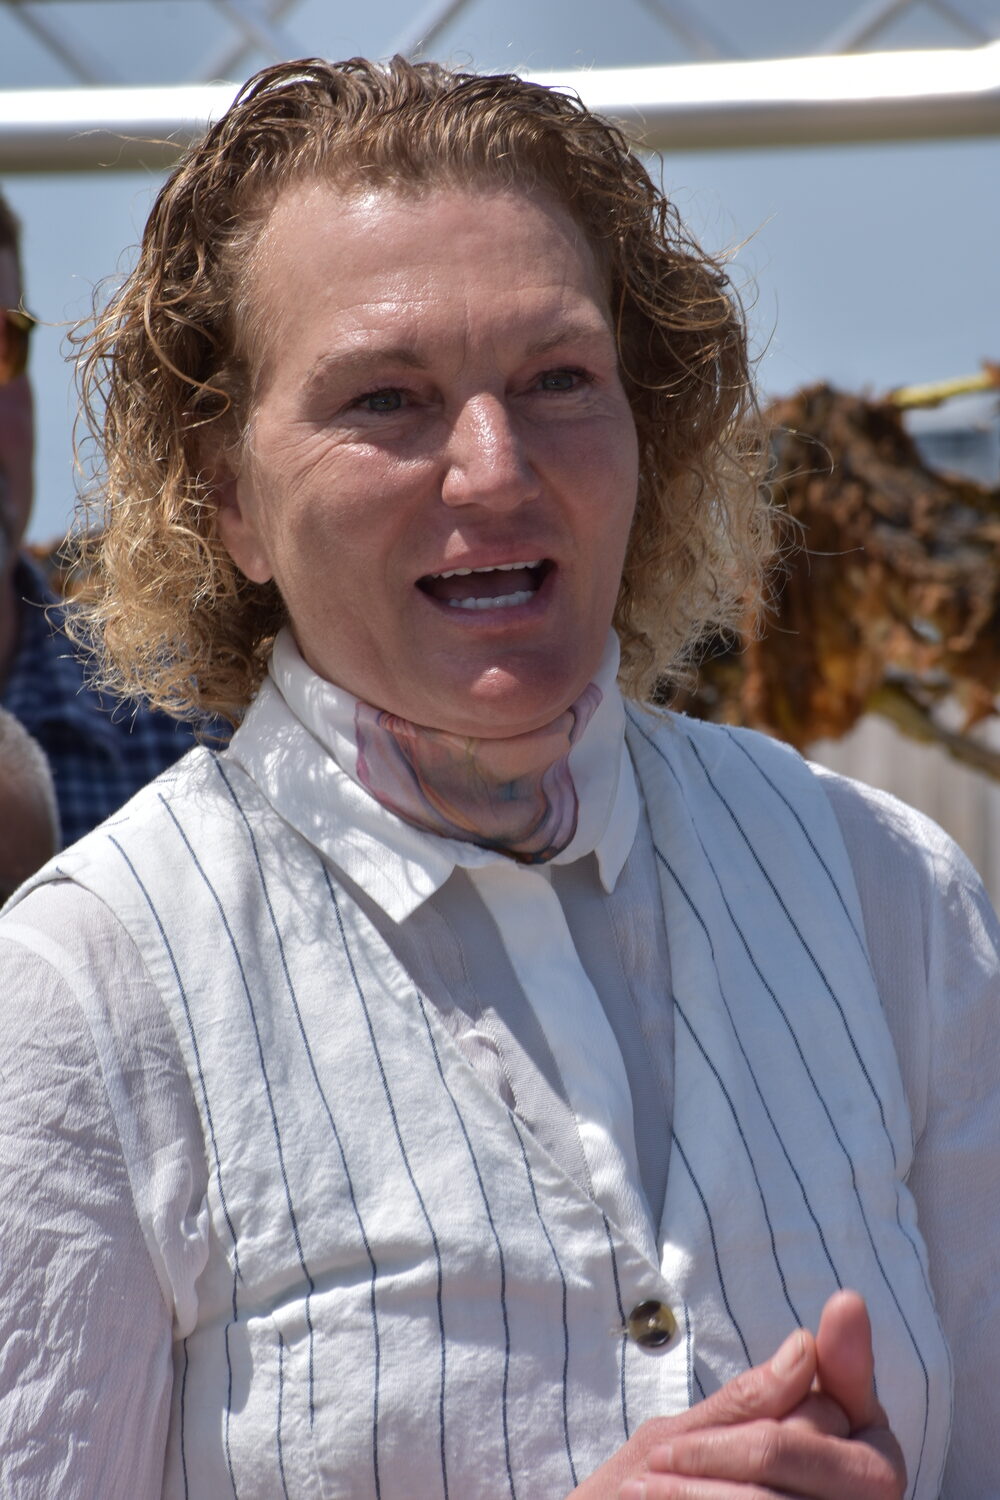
x,y
379,259
340,210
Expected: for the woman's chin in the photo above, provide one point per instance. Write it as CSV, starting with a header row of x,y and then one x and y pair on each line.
x,y
501,707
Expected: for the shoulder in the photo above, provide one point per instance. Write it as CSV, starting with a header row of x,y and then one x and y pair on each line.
x,y
98,1136
65,955
57,940
666,731
933,937
733,760
106,1053
191,780
900,856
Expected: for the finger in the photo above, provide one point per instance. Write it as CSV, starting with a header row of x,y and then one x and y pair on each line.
x,y
773,1389
789,1459
883,1440
845,1361
817,1413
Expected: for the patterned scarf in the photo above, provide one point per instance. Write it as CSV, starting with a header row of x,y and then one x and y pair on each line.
x,y
513,795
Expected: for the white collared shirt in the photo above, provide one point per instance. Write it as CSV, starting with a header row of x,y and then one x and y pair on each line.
x,y
400,866
63,1163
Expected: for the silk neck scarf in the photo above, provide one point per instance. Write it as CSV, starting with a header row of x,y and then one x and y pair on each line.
x,y
528,796
513,795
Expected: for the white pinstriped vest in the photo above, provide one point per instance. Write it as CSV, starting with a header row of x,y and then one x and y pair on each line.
x,y
405,1296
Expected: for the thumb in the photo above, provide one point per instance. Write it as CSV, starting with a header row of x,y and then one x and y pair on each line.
x,y
845,1361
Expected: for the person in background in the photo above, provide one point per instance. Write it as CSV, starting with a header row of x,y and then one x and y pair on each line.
x,y
100,752
29,817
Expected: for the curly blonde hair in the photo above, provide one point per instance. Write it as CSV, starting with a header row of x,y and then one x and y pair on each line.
x,y
167,368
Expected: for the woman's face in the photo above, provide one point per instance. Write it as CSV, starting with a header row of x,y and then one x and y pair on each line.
x,y
441,464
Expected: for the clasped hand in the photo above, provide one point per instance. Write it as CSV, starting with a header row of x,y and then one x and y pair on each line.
x,y
806,1424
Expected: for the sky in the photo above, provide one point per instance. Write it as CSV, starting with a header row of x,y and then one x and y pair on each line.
x,y
866,266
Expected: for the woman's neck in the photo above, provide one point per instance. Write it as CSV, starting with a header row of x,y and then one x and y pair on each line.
x,y
530,796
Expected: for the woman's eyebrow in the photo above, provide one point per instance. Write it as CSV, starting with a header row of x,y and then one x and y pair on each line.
x,y
355,362
573,331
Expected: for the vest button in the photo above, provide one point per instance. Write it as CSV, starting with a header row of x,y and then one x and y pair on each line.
x,y
651,1324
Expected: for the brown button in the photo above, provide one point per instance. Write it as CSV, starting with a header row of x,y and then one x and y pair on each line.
x,y
651,1324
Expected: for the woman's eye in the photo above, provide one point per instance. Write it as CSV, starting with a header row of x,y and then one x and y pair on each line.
x,y
381,402
560,380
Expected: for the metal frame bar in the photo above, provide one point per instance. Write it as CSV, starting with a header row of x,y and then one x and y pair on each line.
x,y
258,28
873,18
75,56
229,59
427,27
704,41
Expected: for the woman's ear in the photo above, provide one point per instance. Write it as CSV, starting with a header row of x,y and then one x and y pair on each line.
x,y
238,521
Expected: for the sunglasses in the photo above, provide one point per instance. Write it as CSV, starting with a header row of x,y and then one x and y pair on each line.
x,y
15,332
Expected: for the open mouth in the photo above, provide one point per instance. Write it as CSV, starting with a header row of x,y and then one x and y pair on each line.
x,y
503,587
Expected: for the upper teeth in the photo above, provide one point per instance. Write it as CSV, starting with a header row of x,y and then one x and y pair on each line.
x,y
497,568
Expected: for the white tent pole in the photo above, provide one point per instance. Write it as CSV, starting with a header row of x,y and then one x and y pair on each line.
x,y
803,101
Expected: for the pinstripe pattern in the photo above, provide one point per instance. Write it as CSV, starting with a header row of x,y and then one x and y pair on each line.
x,y
203,1087
328,1112
180,1438
499,1248
680,1013
715,1250
738,743
227,1414
268,1089
826,870
281,1402
439,1269
624,1336
689,1355
556,1247
687,791
800,1184
436,1251
562,1283
216,1157
915,1478
799,937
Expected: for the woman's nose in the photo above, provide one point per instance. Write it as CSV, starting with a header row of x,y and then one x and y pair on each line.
x,y
486,462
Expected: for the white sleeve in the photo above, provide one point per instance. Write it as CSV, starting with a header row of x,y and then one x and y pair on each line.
x,y
86,1316
935,947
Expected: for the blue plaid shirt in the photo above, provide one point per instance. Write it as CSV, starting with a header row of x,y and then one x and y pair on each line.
x,y
100,753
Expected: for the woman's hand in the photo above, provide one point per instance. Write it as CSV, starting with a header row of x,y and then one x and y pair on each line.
x,y
806,1424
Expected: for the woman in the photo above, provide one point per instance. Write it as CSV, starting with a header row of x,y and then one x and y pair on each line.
x,y
466,1082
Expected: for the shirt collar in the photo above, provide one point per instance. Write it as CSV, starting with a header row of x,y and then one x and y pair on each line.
x,y
297,743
